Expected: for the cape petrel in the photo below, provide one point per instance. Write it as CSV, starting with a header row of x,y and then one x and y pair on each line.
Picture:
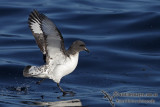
x,y
59,62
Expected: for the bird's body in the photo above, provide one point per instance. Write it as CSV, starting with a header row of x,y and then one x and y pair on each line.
x,y
53,71
59,61
64,69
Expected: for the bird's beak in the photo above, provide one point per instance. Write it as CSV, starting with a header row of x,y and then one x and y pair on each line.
x,y
86,50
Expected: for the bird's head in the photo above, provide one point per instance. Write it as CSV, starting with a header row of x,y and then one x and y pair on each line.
x,y
79,46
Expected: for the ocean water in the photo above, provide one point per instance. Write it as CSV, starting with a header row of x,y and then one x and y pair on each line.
x,y
124,60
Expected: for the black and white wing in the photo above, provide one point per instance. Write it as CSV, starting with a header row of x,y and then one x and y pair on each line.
x,y
48,37
34,23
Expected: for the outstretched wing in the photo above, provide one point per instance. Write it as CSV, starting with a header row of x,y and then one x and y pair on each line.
x,y
34,23
52,43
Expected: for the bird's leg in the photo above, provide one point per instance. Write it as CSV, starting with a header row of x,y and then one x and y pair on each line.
x,y
60,88
65,92
38,82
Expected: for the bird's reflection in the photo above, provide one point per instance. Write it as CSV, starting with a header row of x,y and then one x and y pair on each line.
x,y
66,103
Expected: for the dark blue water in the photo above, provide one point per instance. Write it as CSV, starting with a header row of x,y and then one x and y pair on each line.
x,y
122,36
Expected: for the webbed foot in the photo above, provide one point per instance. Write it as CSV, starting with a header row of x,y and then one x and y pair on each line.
x,y
71,93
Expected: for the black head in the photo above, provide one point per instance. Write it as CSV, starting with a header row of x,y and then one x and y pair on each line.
x,y
78,46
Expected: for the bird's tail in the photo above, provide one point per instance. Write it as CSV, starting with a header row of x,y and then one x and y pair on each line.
x,y
34,71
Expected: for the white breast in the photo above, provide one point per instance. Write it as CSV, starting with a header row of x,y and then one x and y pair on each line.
x,y
65,69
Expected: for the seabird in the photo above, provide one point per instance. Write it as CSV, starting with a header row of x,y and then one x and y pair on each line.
x,y
59,62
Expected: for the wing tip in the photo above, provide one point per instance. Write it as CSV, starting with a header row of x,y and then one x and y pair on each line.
x,y
35,16
35,21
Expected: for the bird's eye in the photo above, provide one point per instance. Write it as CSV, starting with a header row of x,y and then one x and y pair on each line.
x,y
81,45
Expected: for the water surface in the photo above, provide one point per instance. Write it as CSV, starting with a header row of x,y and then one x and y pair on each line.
x,y
123,39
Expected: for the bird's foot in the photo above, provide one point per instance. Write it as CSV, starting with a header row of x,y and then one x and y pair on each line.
x,y
68,93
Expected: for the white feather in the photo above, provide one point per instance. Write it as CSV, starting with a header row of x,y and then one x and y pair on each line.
x,y
36,28
55,71
39,72
64,69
